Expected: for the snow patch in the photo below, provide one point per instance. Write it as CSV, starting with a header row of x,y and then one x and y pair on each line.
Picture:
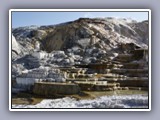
x,y
124,101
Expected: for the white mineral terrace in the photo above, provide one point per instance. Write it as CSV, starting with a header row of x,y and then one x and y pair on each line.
x,y
28,78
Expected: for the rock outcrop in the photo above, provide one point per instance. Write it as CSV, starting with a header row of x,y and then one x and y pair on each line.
x,y
15,48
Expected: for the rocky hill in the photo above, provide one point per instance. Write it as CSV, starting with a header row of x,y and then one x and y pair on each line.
x,y
104,34
86,38
77,43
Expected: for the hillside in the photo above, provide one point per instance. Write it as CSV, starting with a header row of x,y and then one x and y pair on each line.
x,y
92,49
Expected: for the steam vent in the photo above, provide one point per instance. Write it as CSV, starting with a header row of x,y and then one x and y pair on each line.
x,y
83,55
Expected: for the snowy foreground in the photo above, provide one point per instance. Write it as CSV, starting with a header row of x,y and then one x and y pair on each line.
x,y
125,101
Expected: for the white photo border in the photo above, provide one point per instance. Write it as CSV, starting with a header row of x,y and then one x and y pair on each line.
x,y
77,10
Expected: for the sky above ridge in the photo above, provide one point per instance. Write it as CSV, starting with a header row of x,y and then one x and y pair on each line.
x,y
20,19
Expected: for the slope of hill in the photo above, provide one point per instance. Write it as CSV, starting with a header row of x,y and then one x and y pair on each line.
x,y
93,49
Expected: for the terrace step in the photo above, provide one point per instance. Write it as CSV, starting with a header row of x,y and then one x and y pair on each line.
x,y
113,75
138,88
137,75
133,83
89,86
134,65
100,66
128,71
124,58
125,79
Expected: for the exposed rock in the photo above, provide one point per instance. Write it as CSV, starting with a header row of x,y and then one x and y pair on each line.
x,y
16,49
15,45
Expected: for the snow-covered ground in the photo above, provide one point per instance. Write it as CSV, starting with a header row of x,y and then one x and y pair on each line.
x,y
123,101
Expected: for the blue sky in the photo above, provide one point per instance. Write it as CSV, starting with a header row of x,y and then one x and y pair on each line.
x,y
20,19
